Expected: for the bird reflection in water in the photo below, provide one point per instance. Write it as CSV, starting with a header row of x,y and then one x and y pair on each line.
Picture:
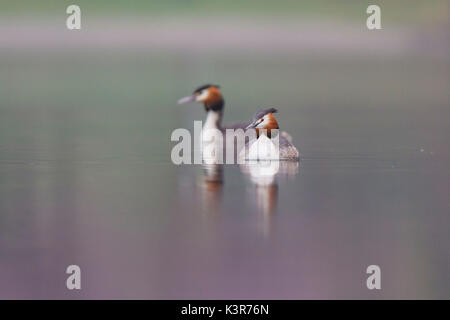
x,y
264,176
211,185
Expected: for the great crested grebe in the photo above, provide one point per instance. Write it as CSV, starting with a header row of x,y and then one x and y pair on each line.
x,y
264,119
212,99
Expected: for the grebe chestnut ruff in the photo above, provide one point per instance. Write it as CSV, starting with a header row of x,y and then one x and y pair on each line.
x,y
266,126
212,99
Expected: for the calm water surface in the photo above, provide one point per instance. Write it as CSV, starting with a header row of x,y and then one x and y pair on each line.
x,y
86,179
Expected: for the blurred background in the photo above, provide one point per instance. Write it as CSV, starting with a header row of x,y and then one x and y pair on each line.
x,y
85,171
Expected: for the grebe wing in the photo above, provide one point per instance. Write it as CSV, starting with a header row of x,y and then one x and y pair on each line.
x,y
287,149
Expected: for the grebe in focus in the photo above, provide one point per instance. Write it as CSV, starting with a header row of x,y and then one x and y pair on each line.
x,y
263,148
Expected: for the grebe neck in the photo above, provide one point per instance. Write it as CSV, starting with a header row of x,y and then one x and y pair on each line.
x,y
213,120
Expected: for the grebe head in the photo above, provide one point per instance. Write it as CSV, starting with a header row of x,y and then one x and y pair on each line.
x,y
209,95
264,119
